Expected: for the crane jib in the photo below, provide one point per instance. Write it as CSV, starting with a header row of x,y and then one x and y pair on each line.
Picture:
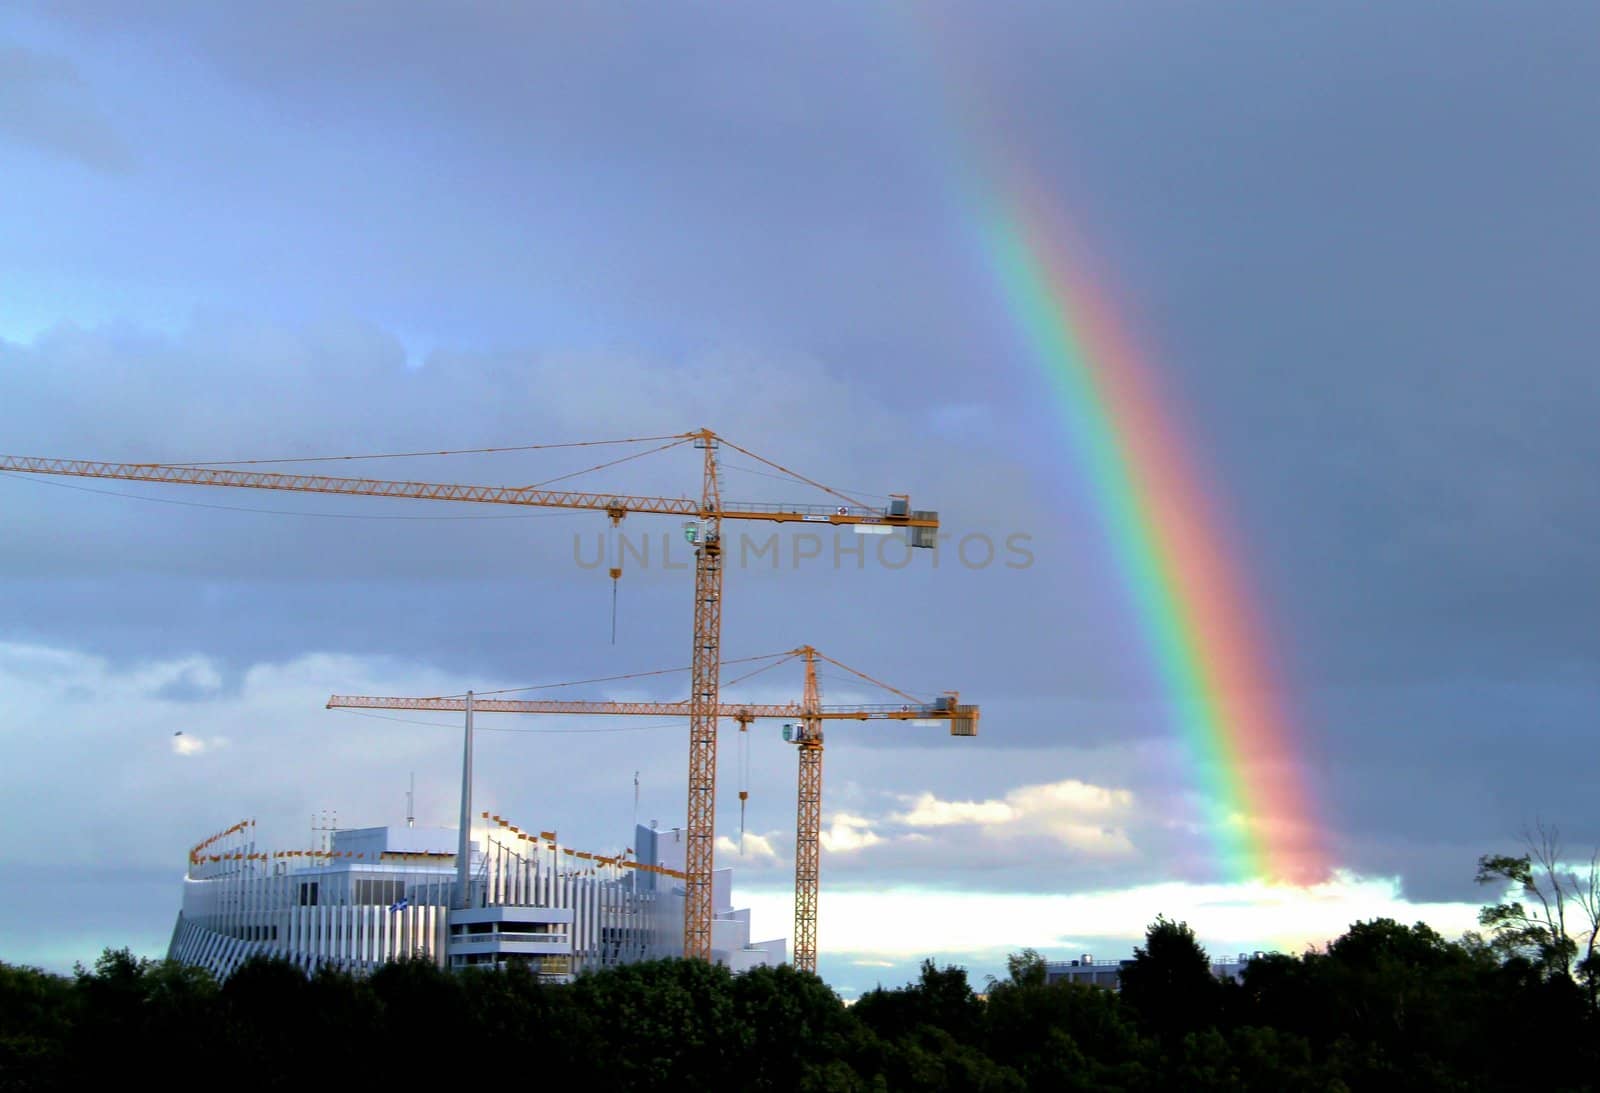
x,y
619,504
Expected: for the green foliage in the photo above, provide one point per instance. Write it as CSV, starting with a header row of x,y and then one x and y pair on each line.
x,y
929,1031
678,1023
941,999
1269,1059
1025,969
796,1032
1516,929
1402,989
1169,983
1386,1006
35,1020
1555,922
1065,1037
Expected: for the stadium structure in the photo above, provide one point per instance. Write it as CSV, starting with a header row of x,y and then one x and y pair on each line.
x,y
378,894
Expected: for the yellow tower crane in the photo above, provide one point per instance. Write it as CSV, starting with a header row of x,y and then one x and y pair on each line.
x,y
707,515
804,730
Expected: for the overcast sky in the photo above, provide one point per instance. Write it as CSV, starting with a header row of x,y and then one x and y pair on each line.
x,y
1358,243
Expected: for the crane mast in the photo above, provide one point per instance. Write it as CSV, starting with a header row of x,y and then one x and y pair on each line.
x,y
705,677
808,822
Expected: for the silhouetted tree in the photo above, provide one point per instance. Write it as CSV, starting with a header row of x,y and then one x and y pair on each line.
x,y
521,1015
1279,991
109,1017
267,1002
1025,969
1385,1006
35,1022
1169,982
794,1031
419,1003
941,998
1536,926
1062,1037
664,1024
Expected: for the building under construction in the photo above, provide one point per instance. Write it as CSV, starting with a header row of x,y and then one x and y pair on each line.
x,y
703,525
704,530
377,894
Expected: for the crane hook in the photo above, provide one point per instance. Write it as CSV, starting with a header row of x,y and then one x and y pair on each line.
x,y
614,549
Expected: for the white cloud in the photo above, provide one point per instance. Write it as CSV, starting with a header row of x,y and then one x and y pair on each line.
x,y
185,744
1070,794
149,757
930,811
1077,814
847,833
1111,842
758,851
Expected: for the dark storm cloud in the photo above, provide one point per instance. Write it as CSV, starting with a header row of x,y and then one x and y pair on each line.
x,y
1357,241
45,105
248,389
468,175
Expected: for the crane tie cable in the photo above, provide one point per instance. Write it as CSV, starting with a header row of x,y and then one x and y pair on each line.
x,y
603,466
862,675
610,679
409,455
764,668
794,474
494,728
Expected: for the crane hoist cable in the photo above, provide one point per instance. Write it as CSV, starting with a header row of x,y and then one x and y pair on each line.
x,y
744,742
614,553
744,776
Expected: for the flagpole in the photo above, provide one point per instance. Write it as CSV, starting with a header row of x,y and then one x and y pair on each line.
x,y
464,842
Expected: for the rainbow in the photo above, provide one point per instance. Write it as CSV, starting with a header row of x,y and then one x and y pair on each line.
x,y
1182,574
1172,551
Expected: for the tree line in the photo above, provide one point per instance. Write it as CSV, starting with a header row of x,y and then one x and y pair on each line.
x,y
1385,1006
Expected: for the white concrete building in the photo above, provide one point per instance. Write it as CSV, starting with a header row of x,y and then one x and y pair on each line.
x,y
377,894
730,928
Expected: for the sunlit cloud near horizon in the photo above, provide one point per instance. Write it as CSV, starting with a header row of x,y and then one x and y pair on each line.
x,y
897,923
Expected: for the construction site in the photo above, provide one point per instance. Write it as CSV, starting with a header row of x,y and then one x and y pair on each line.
x,y
490,893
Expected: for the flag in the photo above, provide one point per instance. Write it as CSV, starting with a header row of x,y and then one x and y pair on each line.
x,y
400,904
